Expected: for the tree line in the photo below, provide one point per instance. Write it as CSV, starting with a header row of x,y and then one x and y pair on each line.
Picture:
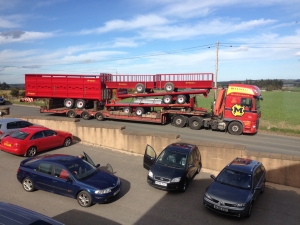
x,y
268,85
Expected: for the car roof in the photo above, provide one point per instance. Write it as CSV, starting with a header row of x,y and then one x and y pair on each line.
x,y
7,120
13,214
180,147
57,158
243,164
33,129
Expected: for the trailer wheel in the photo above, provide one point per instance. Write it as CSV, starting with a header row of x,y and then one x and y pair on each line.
x,y
69,103
71,114
127,110
169,87
85,115
181,99
195,122
235,128
167,99
179,121
140,88
99,116
80,104
139,111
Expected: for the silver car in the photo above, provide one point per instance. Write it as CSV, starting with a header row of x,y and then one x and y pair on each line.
x,y
10,125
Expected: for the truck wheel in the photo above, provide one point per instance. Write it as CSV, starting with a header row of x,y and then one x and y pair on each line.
x,y
127,110
80,104
169,87
99,116
235,128
181,99
71,114
140,88
85,115
179,121
69,103
167,99
139,111
195,122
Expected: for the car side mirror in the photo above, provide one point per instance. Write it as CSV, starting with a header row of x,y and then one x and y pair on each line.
x,y
257,188
69,179
212,177
97,166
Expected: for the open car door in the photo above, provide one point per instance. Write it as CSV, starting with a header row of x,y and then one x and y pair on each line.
x,y
149,157
89,160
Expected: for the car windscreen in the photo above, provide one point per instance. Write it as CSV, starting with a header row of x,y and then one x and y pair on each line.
x,y
81,169
235,178
172,159
19,135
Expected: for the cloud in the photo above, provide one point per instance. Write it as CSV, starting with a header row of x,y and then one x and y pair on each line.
x,y
31,67
4,23
21,36
136,23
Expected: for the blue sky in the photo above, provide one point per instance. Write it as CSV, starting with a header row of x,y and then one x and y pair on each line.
x,y
257,39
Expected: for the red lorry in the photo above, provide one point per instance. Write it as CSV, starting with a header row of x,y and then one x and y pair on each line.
x,y
236,110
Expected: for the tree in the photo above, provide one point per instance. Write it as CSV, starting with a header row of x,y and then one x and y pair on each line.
x,y
14,92
4,86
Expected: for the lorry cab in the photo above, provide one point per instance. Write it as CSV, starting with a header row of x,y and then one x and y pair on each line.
x,y
240,108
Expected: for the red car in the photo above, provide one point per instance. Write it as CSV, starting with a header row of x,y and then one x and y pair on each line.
x,y
30,140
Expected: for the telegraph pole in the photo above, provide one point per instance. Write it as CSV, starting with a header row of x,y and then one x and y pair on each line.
x,y
217,68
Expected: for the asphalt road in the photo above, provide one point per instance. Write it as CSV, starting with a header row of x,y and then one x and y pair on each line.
x,y
260,142
138,203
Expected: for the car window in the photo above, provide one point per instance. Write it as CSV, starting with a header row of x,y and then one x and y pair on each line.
x,y
172,159
257,176
191,158
195,156
0,125
81,169
48,133
23,124
38,135
235,178
12,125
45,168
60,172
19,135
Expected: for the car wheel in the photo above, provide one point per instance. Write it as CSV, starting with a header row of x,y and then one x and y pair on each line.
x,y
71,114
179,121
139,111
195,122
198,169
67,142
127,110
85,115
140,88
167,99
169,87
249,210
31,151
84,199
185,185
28,185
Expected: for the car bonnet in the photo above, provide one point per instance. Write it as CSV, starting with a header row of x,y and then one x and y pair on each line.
x,y
101,180
166,171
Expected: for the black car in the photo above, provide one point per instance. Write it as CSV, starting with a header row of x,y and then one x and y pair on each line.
x,y
235,189
70,176
174,168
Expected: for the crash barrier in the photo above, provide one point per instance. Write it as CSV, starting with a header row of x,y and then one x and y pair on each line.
x,y
281,169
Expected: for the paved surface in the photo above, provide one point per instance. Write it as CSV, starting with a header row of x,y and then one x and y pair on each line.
x,y
138,203
260,142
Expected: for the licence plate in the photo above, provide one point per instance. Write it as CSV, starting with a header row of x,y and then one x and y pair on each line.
x,y
221,208
7,144
117,192
161,183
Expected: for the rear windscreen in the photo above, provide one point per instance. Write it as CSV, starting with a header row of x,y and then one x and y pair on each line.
x,y
19,135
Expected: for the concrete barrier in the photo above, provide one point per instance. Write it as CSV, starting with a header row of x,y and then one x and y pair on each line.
x,y
281,169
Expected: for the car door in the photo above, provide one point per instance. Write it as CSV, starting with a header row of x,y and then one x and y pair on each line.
x,y
149,157
51,139
38,140
62,182
42,177
11,127
89,160
257,182
191,167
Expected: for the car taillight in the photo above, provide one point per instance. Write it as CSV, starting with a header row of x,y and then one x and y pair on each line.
x,y
18,170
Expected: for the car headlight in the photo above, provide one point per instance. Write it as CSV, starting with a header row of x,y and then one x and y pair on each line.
x,y
207,196
118,182
240,205
176,179
150,174
104,191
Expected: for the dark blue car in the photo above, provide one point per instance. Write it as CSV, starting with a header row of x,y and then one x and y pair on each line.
x,y
70,176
